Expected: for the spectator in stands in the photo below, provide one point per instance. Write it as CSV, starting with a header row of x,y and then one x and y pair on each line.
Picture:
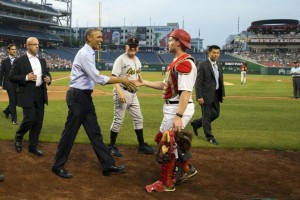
x,y
5,83
127,64
210,91
163,70
83,77
31,75
243,70
295,71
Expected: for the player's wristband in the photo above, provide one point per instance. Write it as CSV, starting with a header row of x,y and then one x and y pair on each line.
x,y
179,115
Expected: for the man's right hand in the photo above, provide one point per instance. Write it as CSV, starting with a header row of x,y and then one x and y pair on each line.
x,y
31,76
138,82
121,96
130,85
200,101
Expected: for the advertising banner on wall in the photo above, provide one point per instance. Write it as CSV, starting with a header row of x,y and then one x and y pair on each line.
x,y
141,34
111,35
131,31
160,36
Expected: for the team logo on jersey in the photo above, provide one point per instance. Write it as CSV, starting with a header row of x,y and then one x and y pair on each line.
x,y
131,71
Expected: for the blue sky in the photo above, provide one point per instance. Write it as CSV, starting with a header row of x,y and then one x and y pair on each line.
x,y
216,19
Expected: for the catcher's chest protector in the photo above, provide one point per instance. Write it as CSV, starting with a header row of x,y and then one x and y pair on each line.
x,y
170,89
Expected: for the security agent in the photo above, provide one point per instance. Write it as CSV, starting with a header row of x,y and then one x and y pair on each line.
x,y
6,65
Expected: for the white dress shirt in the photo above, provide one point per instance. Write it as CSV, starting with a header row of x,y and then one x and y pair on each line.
x,y
84,74
36,68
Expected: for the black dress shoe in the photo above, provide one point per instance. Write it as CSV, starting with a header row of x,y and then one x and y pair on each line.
x,y
36,152
6,112
212,141
1,177
195,129
18,146
113,169
62,173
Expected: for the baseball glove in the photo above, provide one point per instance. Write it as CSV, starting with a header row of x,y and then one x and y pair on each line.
x,y
184,140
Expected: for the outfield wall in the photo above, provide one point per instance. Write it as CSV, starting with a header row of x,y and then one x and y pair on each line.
x,y
228,68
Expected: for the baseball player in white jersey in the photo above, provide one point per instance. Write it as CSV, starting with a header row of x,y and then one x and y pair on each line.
x,y
178,109
127,64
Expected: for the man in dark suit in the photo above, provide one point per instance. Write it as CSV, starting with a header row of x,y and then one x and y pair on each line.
x,y
31,75
5,84
209,92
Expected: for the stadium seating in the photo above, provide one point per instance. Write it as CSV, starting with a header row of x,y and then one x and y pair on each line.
x,y
149,57
24,33
60,54
31,5
227,58
166,57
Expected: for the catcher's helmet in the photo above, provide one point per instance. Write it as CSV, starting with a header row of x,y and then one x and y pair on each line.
x,y
183,36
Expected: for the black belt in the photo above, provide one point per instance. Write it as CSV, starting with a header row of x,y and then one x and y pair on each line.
x,y
173,102
296,76
84,91
125,88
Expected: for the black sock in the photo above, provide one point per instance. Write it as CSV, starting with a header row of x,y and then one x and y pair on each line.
x,y
140,136
113,137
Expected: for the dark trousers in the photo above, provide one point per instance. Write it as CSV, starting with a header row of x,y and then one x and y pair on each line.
x,y
210,112
12,104
81,112
33,117
296,87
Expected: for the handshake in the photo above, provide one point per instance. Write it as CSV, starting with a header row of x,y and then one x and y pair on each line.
x,y
132,85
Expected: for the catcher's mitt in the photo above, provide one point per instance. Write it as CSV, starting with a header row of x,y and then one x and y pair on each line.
x,y
162,157
184,140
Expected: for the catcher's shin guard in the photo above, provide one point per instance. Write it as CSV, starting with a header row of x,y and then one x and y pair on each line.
x,y
158,137
185,166
167,172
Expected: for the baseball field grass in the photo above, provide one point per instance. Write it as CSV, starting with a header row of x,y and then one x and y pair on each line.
x,y
258,115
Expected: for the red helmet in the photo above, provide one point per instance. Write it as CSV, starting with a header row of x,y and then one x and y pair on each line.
x,y
183,36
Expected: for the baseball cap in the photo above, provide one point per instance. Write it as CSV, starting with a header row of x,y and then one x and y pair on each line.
x,y
132,41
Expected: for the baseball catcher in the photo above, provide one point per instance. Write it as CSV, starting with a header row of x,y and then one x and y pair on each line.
x,y
178,109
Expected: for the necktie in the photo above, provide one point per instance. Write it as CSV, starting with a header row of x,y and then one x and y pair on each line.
x,y
216,72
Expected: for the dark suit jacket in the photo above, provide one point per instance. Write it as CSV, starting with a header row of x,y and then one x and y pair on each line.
x,y
26,89
205,85
4,73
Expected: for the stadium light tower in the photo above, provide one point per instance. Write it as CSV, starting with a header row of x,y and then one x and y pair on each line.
x,y
66,15
65,19
238,25
100,14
